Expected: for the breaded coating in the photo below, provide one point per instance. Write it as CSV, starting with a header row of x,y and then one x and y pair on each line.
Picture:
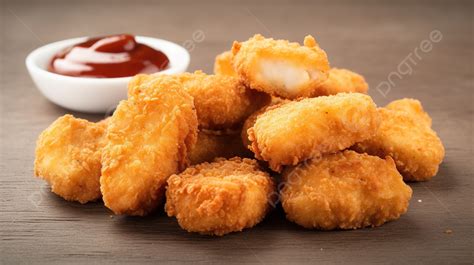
x,y
221,101
148,137
68,157
220,197
223,64
139,83
300,130
409,140
413,107
213,144
342,80
250,121
345,190
104,122
281,68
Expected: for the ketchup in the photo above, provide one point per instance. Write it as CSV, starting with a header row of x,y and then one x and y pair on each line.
x,y
111,56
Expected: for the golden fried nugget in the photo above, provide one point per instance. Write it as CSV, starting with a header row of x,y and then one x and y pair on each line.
x,y
342,80
139,83
220,197
223,64
68,157
221,101
409,140
345,190
413,107
281,68
305,129
148,137
213,144
250,121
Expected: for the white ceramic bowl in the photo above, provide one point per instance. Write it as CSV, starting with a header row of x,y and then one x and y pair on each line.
x,y
93,95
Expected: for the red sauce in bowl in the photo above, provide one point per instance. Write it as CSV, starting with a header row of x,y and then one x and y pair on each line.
x,y
106,57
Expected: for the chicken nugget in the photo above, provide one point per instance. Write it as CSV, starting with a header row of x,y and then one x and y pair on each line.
x,y
412,106
149,136
221,101
409,140
213,144
345,190
139,82
220,197
68,157
300,130
223,64
342,80
281,68
250,121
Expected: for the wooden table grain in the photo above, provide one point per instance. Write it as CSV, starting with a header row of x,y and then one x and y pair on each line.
x,y
370,37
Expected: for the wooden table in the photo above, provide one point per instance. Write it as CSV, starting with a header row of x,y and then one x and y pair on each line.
x,y
370,37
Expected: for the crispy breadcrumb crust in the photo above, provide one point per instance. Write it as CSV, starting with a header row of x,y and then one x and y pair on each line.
x,y
413,107
247,54
138,83
67,156
213,144
250,121
221,101
223,64
342,80
409,140
104,122
220,197
345,190
300,130
149,137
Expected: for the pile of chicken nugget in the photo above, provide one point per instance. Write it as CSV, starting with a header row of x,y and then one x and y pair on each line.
x,y
274,125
